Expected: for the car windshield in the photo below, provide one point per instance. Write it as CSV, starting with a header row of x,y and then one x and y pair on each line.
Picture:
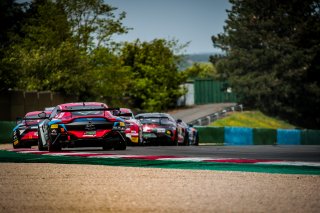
x,y
161,120
31,119
126,116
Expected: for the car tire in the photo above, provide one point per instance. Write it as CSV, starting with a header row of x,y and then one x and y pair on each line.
x,y
40,145
107,146
175,141
27,146
16,146
120,145
186,139
197,140
53,147
17,136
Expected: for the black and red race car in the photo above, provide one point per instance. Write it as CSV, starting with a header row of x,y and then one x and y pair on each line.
x,y
162,129
25,134
85,124
133,127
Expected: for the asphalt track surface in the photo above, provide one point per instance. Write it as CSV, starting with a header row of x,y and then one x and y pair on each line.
x,y
306,153
198,111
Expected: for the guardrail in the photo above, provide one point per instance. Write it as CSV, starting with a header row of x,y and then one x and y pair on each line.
x,y
252,136
206,120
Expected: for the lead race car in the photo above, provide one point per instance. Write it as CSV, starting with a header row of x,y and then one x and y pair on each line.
x,y
87,124
25,134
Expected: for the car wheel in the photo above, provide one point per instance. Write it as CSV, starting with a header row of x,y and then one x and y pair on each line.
x,y
120,145
107,146
53,147
27,146
175,143
15,138
197,140
40,145
16,146
186,139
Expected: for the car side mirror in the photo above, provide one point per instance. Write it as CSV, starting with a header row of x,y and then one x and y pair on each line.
x,y
116,112
18,120
42,115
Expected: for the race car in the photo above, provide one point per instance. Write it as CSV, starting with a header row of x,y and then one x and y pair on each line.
x,y
85,124
133,127
161,129
191,134
25,134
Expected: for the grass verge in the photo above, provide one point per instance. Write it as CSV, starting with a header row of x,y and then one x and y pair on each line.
x,y
251,119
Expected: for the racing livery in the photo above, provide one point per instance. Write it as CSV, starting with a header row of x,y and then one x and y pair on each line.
x,y
162,128
87,124
133,127
191,134
25,134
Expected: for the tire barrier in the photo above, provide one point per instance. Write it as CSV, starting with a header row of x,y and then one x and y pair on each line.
x,y
238,136
6,131
288,137
255,136
264,136
310,137
211,135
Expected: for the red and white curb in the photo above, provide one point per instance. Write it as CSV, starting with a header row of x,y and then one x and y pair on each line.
x,y
167,158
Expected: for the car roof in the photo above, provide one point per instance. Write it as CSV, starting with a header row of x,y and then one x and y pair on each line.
x,y
125,110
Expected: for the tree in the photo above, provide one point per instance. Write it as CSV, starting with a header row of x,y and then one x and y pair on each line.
x,y
93,22
272,57
202,70
55,52
112,80
155,74
12,15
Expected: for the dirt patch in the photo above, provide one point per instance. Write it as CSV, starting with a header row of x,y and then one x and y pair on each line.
x,y
87,188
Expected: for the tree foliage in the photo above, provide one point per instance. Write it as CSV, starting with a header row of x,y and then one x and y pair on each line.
x,y
11,16
66,46
93,22
51,51
155,75
112,80
202,70
272,57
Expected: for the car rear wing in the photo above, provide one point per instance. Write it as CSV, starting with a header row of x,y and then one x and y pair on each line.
x,y
89,109
20,120
114,111
29,119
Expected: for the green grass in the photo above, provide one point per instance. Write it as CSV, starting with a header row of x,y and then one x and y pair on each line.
x,y
251,119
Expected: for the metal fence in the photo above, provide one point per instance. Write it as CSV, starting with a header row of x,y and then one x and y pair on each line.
x,y
206,120
17,103
211,91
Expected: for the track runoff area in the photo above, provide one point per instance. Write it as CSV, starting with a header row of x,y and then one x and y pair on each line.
x,y
158,159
